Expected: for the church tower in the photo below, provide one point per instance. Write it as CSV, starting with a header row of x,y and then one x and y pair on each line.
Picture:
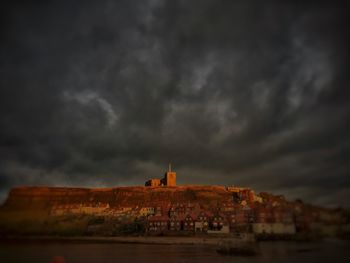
x,y
169,177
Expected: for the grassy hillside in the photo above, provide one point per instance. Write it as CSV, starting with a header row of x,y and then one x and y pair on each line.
x,y
42,198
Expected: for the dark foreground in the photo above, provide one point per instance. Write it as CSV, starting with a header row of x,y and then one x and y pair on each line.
x,y
43,252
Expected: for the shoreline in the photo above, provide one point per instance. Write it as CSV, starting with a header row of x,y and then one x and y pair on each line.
x,y
155,240
211,241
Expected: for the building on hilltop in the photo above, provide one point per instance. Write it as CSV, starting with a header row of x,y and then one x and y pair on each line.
x,y
168,180
153,182
243,194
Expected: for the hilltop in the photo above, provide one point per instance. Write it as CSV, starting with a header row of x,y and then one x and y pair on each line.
x,y
34,197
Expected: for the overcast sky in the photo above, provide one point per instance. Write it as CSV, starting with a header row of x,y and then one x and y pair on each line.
x,y
106,93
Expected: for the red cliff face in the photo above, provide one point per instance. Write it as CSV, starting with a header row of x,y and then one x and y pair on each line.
x,y
24,198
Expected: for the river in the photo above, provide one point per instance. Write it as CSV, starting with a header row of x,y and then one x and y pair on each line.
x,y
331,251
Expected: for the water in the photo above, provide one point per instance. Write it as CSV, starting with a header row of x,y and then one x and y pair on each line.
x,y
326,251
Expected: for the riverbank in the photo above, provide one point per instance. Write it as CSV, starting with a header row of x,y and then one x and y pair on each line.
x,y
127,240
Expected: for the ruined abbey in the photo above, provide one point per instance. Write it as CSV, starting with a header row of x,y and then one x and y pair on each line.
x,y
168,180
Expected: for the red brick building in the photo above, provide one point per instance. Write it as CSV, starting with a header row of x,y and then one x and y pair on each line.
x,y
158,223
189,222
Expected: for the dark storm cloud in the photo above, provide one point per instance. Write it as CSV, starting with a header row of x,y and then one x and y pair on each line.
x,y
231,92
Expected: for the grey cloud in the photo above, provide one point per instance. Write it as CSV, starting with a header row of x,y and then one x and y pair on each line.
x,y
103,94
88,97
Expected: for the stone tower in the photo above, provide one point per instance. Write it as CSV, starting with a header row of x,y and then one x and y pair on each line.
x,y
169,177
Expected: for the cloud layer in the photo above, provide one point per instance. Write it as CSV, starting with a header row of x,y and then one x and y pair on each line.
x,y
231,92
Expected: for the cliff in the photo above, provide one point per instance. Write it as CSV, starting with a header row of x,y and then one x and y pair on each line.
x,y
43,198
133,210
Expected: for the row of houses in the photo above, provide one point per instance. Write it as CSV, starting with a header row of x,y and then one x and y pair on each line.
x,y
273,215
192,222
79,208
257,213
228,217
214,223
